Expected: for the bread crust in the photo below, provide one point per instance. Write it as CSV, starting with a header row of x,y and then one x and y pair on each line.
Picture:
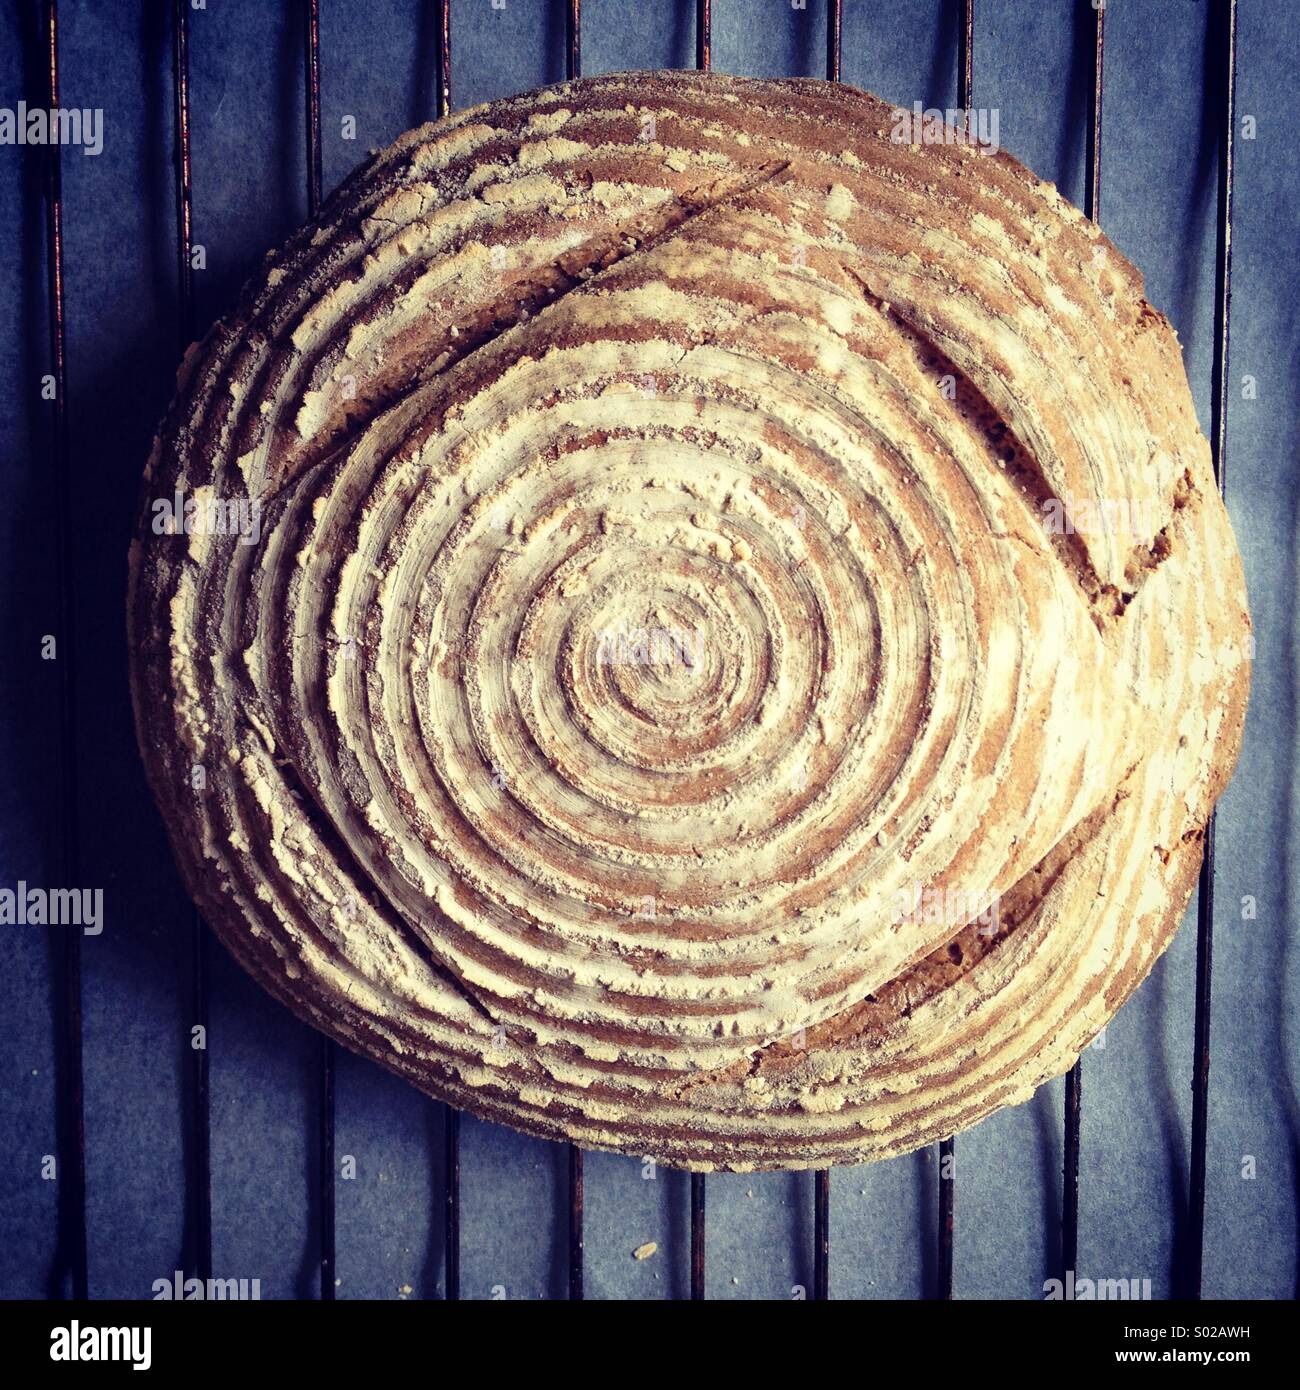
x,y
691,526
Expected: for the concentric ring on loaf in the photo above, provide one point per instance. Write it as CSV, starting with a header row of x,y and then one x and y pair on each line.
x,y
654,585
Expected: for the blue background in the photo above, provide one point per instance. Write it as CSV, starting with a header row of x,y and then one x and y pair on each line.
x,y
1031,60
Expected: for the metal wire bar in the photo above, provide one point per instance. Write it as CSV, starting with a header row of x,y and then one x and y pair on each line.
x,y
697,1236
311,53
573,68
822,1235
703,34
573,37
822,1178
71,1262
451,1232
1092,170
327,1211
947,1149
1224,32
703,58
1069,1253
575,1222
444,58
451,1116
199,1176
1073,1117
311,74
181,113
965,43
834,32
947,1212
201,1103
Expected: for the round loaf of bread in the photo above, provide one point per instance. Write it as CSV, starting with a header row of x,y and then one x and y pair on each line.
x,y
680,620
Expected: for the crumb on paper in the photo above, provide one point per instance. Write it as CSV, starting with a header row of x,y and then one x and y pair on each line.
x,y
643,1252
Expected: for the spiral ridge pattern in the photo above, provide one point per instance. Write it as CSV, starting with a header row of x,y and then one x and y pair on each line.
x,y
616,640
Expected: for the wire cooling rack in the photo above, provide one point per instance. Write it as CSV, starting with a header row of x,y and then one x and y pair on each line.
x,y
71,1257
